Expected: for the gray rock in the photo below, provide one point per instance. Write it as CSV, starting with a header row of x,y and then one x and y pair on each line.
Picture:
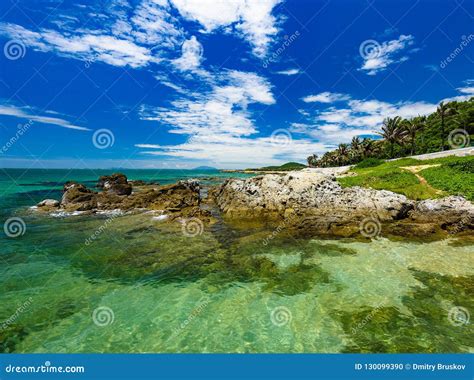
x,y
315,201
48,203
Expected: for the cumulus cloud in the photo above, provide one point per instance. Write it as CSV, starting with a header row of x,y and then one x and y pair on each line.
x,y
220,125
325,97
191,55
222,110
355,117
377,57
29,113
252,20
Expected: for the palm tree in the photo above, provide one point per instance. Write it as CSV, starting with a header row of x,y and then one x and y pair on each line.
x,y
312,161
367,147
356,148
392,132
412,127
342,153
443,112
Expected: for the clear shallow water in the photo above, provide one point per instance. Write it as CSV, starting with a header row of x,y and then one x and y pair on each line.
x,y
142,286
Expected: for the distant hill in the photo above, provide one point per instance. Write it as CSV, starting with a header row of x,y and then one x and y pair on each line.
x,y
285,167
206,168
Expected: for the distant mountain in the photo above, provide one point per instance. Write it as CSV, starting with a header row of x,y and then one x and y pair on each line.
x,y
207,168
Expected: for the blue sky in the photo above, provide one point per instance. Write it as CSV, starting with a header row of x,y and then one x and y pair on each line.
x,y
238,83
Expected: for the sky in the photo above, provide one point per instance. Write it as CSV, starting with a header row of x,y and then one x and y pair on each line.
x,y
229,84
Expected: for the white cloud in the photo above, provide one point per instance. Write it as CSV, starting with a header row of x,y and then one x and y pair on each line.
x,y
28,113
222,110
191,55
227,151
326,97
289,72
380,56
253,20
333,125
219,123
93,47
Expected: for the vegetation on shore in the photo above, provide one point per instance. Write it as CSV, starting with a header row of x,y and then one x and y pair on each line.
x,y
289,166
451,126
426,179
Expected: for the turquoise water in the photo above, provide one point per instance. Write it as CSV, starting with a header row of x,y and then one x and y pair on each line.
x,y
144,286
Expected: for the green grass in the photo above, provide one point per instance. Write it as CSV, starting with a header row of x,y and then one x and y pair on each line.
x,y
369,163
454,177
285,167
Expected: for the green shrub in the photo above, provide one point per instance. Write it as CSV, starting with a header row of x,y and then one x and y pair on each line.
x,y
369,163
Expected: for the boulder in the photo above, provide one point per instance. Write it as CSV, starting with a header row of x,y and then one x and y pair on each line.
x,y
453,214
116,183
315,203
77,197
48,203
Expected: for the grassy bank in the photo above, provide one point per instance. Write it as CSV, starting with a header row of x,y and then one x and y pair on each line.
x,y
418,179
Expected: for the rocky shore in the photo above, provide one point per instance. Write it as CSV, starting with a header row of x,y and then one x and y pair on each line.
x,y
304,202
179,200
313,203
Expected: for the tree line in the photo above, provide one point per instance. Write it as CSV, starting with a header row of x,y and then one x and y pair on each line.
x,y
447,128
